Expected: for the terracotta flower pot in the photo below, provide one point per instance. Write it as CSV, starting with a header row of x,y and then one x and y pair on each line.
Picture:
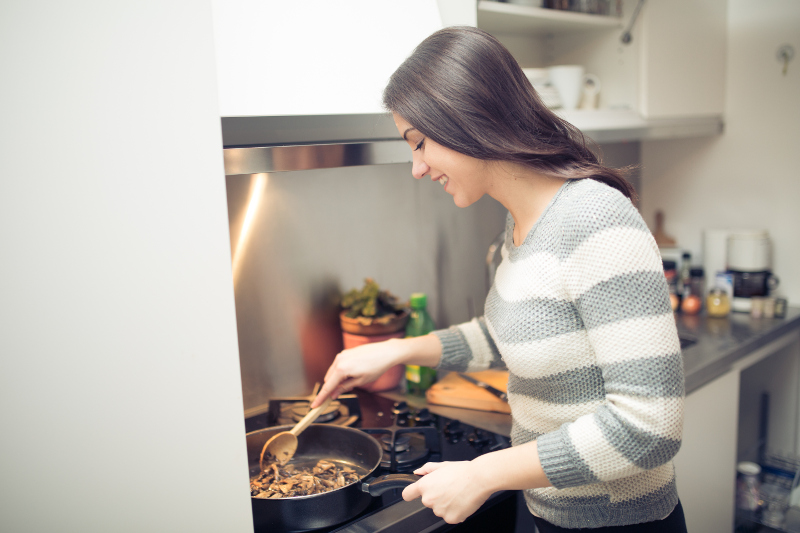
x,y
366,327
356,332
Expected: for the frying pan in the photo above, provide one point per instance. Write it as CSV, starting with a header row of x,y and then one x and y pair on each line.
x,y
356,449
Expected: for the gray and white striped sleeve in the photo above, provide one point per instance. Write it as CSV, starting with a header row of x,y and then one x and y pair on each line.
x,y
468,347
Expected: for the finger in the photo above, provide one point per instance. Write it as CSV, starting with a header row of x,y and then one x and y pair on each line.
x,y
427,468
411,492
318,399
327,389
346,386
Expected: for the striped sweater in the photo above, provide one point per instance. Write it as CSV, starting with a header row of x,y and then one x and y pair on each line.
x,y
579,314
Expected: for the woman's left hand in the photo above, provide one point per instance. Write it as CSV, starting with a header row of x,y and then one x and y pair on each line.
x,y
454,490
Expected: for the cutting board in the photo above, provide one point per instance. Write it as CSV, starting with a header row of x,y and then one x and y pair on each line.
x,y
455,391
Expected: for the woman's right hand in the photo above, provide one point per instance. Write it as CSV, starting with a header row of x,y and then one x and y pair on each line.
x,y
366,363
359,366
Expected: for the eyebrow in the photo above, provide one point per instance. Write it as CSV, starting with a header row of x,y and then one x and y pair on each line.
x,y
406,132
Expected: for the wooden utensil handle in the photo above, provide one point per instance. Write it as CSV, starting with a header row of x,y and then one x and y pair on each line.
x,y
310,417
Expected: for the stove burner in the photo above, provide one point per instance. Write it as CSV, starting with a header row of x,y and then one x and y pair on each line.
x,y
400,444
300,409
410,450
407,443
345,411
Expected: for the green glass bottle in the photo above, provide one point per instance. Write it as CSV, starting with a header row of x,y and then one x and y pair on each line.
x,y
419,378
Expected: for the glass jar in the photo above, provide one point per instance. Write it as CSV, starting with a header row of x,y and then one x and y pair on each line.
x,y
718,304
698,281
747,486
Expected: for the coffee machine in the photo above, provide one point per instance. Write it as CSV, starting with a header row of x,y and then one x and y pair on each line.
x,y
749,260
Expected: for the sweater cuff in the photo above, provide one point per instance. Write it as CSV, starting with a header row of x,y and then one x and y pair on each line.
x,y
456,353
560,461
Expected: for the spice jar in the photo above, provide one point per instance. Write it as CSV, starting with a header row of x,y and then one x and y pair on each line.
x,y
747,486
698,281
718,304
671,274
756,307
780,307
769,307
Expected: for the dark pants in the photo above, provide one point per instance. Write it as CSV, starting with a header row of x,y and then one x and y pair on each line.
x,y
674,523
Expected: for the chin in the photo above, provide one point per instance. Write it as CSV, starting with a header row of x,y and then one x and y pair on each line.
x,y
463,202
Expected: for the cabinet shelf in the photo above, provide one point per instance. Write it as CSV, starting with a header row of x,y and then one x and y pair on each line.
x,y
611,125
502,18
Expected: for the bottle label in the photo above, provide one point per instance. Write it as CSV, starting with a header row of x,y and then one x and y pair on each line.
x,y
413,374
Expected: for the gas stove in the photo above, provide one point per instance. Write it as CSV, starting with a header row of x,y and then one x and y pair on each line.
x,y
410,437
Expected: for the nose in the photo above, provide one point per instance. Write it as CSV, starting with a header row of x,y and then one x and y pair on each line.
x,y
419,169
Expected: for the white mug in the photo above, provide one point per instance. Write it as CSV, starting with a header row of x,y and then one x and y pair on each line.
x,y
570,81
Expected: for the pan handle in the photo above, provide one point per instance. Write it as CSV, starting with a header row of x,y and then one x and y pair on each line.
x,y
379,485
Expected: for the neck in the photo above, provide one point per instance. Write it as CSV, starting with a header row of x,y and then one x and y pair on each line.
x,y
525,193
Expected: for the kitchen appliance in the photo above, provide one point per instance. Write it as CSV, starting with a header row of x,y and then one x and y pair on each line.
x,y
748,251
749,262
747,285
409,437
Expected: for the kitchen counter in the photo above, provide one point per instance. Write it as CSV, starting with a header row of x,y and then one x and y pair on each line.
x,y
719,343
712,346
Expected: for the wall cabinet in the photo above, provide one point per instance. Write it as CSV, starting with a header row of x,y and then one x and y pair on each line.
x,y
669,81
682,58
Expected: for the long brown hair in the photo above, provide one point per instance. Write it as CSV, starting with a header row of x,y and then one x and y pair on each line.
x,y
462,88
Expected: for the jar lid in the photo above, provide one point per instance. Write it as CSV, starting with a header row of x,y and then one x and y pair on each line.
x,y
696,272
748,468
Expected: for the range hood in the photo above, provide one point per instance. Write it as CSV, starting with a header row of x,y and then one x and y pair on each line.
x,y
286,143
300,82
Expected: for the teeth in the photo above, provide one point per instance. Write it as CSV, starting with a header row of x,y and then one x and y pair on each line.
x,y
443,180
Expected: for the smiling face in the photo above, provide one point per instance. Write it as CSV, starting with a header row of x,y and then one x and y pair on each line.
x,y
463,177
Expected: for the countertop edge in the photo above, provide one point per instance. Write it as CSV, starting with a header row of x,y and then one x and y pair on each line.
x,y
702,376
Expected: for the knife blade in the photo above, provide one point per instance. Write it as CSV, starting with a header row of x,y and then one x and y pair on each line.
x,y
497,392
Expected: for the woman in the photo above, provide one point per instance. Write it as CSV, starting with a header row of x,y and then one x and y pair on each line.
x,y
579,311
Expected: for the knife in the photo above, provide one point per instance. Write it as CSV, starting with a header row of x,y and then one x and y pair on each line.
x,y
497,392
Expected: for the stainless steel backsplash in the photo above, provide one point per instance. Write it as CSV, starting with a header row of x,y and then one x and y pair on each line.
x,y
300,239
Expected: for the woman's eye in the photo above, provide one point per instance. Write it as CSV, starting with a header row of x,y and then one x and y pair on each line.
x,y
419,145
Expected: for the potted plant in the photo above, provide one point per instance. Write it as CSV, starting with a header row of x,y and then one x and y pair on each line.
x,y
369,315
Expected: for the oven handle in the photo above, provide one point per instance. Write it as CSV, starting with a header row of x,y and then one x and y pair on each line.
x,y
378,485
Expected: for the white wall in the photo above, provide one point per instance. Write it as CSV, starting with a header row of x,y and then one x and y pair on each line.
x,y
120,394
748,177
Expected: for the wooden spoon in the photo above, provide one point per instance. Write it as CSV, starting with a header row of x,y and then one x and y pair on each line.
x,y
283,445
